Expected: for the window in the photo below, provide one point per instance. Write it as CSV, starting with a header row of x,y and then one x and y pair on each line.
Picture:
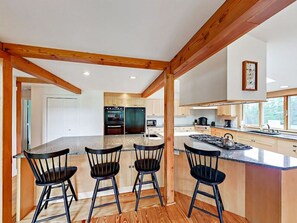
x,y
251,114
274,112
292,112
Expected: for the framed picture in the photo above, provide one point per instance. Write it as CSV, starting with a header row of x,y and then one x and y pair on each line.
x,y
249,76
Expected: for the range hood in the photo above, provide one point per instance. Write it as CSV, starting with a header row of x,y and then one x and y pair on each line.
x,y
218,80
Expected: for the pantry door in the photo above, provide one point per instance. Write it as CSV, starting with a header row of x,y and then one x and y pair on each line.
x,y
62,117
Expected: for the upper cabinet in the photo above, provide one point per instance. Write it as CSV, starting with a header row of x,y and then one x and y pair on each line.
x,y
126,100
154,107
180,111
227,110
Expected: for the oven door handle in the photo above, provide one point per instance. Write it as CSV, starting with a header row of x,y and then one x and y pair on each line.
x,y
114,126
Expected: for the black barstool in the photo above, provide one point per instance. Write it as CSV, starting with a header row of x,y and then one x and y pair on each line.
x,y
104,165
204,168
51,171
148,160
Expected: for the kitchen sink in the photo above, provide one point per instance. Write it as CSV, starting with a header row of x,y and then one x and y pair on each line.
x,y
151,135
265,133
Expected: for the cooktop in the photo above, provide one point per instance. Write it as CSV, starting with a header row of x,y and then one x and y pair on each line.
x,y
217,141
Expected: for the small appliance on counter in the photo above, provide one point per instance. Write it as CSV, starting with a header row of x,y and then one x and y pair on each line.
x,y
151,123
202,121
212,124
227,123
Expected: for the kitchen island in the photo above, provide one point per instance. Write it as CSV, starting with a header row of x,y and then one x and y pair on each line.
x,y
260,185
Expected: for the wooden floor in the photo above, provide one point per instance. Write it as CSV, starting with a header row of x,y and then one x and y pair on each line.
x,y
149,211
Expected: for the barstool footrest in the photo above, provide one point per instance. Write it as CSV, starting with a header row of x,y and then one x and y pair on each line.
x,y
206,194
50,218
207,212
106,204
105,188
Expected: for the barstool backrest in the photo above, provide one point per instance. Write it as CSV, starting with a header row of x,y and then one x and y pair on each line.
x,y
151,154
204,163
102,160
48,167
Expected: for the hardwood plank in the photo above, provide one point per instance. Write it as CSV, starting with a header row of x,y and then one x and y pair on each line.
x,y
19,117
7,142
30,80
82,57
232,20
36,71
169,137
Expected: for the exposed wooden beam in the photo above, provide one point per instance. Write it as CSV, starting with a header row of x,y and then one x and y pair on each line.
x,y
7,142
40,73
232,20
156,85
30,80
82,57
281,93
169,136
19,117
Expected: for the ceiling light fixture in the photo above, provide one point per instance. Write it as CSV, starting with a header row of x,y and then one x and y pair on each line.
x,y
269,80
284,86
132,77
86,73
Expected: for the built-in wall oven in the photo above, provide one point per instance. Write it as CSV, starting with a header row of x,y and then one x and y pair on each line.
x,y
114,120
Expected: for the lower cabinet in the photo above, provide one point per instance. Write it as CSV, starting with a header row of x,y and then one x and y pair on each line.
x,y
221,132
287,147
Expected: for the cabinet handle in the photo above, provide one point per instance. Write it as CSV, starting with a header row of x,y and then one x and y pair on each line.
x,y
294,150
295,146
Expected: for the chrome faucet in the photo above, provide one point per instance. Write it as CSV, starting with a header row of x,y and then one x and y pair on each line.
x,y
268,126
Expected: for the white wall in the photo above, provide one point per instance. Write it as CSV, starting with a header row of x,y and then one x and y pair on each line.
x,y
90,111
246,48
206,82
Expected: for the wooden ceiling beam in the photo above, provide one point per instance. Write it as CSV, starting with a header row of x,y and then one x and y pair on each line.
x,y
30,80
82,57
42,74
156,85
232,20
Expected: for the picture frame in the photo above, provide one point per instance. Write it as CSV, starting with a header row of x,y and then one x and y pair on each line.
x,y
249,75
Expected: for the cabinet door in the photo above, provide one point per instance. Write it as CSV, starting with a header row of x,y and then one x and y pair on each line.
x,y
267,143
149,107
287,147
226,110
159,107
124,177
245,138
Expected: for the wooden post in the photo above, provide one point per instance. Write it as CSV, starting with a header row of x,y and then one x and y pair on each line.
x,y
169,136
19,117
7,142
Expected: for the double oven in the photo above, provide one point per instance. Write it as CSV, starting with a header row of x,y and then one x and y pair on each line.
x,y
114,120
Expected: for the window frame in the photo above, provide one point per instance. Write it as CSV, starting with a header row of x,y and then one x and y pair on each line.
x,y
285,113
243,116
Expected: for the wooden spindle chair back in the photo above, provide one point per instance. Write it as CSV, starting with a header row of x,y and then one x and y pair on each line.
x,y
104,160
204,163
150,155
49,167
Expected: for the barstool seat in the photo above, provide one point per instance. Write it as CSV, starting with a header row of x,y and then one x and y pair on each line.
x,y
105,170
56,176
147,165
197,170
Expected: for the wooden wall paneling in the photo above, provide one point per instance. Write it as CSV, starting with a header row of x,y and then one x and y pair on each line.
x,y
7,141
25,189
263,194
82,57
36,71
19,117
169,137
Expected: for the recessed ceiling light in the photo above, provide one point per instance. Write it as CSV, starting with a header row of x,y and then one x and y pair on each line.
x,y
284,86
269,80
86,73
132,77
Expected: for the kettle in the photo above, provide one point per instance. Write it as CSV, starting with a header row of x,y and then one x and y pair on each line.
x,y
227,140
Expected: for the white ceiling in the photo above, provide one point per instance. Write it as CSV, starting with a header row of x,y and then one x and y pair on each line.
x,y
152,29
280,33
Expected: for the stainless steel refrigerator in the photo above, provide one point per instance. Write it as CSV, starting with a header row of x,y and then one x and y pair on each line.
x,y
134,120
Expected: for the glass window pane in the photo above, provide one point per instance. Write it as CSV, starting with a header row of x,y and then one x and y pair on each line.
x,y
274,112
251,114
292,112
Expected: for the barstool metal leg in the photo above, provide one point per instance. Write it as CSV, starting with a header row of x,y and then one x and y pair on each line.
x,y
66,202
137,179
139,191
156,185
48,196
38,210
116,194
218,203
72,189
93,200
193,199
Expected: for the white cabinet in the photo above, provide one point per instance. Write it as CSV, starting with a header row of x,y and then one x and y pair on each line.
x,y
154,107
184,129
287,147
180,111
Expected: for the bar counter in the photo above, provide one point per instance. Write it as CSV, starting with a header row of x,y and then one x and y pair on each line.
x,y
259,185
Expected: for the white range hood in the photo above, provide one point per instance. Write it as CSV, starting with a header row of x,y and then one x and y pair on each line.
x,y
218,80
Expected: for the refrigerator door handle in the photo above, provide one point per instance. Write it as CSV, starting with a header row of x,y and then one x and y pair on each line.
x,y
114,126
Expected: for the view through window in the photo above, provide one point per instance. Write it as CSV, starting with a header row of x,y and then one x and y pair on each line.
x,y
251,114
274,112
292,112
